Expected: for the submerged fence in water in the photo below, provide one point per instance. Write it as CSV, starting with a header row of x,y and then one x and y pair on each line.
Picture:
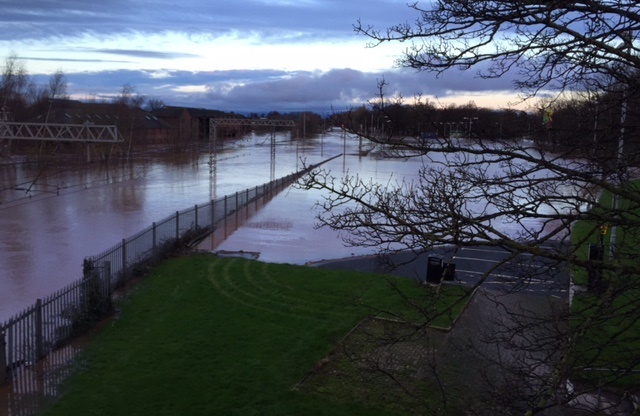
x,y
56,319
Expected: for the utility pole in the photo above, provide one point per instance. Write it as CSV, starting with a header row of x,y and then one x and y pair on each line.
x,y
620,152
619,171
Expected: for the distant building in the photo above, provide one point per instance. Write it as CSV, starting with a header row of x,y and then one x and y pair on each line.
x,y
179,126
133,123
192,124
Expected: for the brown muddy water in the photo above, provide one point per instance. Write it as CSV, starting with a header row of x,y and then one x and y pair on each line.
x,y
52,217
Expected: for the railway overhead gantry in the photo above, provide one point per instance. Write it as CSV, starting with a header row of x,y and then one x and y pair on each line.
x,y
79,133
252,122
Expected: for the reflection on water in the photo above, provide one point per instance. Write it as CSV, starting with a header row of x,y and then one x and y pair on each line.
x,y
39,384
271,224
242,217
44,237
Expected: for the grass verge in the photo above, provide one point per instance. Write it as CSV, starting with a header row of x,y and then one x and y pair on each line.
x,y
204,335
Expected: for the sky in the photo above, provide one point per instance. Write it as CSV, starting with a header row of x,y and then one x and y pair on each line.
x,y
242,56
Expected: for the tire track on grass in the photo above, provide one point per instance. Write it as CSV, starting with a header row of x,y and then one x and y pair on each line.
x,y
333,297
222,282
321,300
276,297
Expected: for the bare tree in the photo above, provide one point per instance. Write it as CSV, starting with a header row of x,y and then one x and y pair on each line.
x,y
154,104
523,197
552,45
129,104
57,90
15,87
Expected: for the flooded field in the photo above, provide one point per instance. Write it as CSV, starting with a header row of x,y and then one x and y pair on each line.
x,y
52,217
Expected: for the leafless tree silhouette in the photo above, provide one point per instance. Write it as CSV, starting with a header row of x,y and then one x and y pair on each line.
x,y
552,209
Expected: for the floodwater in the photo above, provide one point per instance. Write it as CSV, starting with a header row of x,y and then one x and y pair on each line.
x,y
284,230
52,217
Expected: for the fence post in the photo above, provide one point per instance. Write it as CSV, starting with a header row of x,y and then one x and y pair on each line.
x,y
213,213
124,259
225,206
177,225
106,265
38,329
154,233
3,359
237,203
196,216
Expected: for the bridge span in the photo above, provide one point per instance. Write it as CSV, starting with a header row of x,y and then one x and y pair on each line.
x,y
83,133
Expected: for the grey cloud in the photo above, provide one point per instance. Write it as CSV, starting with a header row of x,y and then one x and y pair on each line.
x,y
40,19
276,90
145,54
452,82
240,91
32,58
338,84
340,88
237,90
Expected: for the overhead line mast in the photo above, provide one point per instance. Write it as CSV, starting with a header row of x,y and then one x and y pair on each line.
x,y
255,122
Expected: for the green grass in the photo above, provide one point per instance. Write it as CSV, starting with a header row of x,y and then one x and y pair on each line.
x,y
608,322
585,233
608,351
209,336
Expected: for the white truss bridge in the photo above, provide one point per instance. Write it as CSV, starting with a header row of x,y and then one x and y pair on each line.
x,y
83,133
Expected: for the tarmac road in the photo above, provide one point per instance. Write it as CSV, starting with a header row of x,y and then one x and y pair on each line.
x,y
489,267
